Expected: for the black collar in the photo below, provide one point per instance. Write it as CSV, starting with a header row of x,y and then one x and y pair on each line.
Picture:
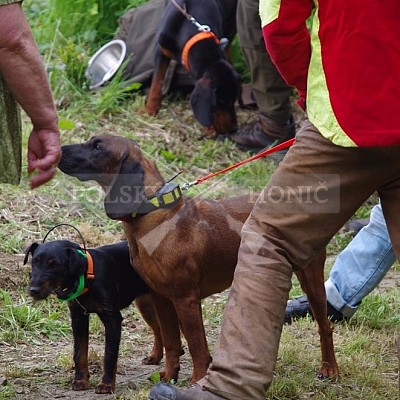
x,y
167,196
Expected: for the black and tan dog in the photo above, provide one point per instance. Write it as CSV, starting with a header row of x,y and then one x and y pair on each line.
x,y
196,34
185,249
100,281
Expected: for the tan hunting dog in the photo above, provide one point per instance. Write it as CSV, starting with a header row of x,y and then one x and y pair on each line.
x,y
185,249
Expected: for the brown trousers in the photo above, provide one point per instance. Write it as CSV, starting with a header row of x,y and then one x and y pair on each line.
x,y
314,191
270,90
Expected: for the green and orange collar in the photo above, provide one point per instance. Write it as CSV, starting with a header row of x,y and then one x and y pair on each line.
x,y
81,287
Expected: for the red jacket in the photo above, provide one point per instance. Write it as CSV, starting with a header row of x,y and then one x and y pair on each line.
x,y
348,68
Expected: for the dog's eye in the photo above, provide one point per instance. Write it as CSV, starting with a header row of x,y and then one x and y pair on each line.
x,y
97,146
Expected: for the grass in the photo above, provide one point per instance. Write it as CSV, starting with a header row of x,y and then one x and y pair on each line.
x,y
20,321
35,338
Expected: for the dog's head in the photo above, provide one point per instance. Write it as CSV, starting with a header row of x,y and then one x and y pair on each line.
x,y
54,265
118,165
214,96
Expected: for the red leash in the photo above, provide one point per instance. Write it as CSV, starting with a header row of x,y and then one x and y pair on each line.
x,y
264,153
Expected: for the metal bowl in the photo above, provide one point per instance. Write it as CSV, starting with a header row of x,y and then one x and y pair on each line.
x,y
105,63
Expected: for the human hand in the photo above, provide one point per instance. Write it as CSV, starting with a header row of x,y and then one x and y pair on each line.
x,y
44,153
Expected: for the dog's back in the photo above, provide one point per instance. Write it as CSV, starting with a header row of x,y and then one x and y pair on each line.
x,y
113,263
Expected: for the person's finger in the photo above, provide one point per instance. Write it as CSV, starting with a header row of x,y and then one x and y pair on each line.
x,y
51,159
43,176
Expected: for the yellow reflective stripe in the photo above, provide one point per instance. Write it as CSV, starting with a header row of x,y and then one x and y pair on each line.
x,y
177,193
319,107
168,198
155,202
269,11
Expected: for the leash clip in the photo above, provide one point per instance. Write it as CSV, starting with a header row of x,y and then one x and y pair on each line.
x,y
188,185
200,27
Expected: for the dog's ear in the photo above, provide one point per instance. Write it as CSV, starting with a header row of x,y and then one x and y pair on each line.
x,y
30,250
203,101
127,190
77,262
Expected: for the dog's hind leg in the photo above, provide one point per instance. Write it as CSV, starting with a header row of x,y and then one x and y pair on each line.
x,y
190,317
312,282
145,306
171,336
80,330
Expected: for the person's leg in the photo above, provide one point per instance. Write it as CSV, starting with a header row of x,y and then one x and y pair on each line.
x,y
361,266
305,203
315,190
274,122
357,270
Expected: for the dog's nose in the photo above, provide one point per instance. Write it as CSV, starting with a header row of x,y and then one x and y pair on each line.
x,y
34,290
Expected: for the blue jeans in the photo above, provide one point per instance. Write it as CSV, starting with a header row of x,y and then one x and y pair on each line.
x,y
361,265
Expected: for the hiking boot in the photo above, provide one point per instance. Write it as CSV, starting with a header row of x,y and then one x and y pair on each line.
x,y
300,308
262,133
355,225
165,391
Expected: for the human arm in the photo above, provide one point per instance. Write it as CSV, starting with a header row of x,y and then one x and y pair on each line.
x,y
287,39
23,71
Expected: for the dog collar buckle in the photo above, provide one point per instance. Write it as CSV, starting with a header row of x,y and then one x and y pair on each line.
x,y
169,194
200,27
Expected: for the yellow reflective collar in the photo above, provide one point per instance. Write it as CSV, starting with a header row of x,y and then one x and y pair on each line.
x,y
166,197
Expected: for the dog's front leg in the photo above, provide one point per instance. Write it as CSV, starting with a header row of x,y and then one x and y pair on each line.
x,y
190,317
153,102
80,330
171,337
112,324
312,282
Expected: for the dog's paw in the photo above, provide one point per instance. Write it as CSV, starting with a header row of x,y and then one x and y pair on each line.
x,y
149,110
142,111
81,384
328,372
104,388
208,132
169,377
151,360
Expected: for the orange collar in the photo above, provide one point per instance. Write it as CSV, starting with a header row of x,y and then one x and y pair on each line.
x,y
191,42
90,269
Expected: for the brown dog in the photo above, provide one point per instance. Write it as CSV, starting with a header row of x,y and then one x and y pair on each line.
x,y
185,249
192,32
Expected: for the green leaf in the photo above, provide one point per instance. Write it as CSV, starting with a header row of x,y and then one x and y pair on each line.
x,y
66,124
155,377
168,156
